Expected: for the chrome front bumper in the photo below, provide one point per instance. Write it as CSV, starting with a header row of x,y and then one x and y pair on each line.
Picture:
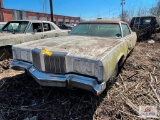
x,y
58,80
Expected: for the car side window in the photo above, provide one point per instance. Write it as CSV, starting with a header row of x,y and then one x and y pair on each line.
x,y
126,30
46,27
52,27
35,27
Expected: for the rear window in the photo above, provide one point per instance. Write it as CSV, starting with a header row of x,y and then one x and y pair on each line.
x,y
146,20
142,21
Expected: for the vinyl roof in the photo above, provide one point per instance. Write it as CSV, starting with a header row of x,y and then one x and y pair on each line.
x,y
103,21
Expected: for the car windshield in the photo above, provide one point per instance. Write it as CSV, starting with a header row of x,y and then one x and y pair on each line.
x,y
16,26
1,26
109,30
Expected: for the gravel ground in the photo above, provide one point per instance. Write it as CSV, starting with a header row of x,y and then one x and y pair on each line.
x,y
138,84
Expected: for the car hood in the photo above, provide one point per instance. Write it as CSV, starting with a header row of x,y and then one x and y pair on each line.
x,y
78,46
6,33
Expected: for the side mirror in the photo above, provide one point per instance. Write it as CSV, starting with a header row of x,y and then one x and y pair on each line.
x,y
118,35
69,32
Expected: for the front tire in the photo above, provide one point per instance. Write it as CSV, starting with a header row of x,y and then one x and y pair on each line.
x,y
113,78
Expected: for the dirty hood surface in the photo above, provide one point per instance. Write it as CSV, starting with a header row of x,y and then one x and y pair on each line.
x,y
8,38
2,34
78,46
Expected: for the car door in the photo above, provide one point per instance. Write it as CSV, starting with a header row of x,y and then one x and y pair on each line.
x,y
34,31
127,36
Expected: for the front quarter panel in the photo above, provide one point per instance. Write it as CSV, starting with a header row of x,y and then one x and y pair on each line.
x,y
116,54
134,39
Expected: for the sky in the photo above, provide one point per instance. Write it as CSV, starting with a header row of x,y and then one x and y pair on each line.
x,y
86,9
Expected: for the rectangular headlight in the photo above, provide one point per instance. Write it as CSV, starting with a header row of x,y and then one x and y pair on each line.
x,y
16,53
85,66
26,55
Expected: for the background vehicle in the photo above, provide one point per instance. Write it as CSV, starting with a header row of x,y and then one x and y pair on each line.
x,y
88,59
66,26
15,32
145,26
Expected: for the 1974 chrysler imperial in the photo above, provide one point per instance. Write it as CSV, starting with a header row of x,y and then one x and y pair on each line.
x,y
88,58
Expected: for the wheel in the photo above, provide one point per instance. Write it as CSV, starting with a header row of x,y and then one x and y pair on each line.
x,y
28,75
113,78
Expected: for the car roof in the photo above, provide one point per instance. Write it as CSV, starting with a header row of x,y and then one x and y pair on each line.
x,y
144,16
31,20
104,21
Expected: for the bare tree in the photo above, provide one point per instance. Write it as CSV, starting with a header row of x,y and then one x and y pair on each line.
x,y
127,15
156,9
44,5
142,11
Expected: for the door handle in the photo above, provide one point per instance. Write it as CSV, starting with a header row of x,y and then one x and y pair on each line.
x,y
44,36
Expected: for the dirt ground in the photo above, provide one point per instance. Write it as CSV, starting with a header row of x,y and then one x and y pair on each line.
x,y
138,84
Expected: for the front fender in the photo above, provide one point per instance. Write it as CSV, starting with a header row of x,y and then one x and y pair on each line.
x,y
116,56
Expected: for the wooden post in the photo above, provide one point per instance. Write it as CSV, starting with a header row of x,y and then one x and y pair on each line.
x,y
51,9
1,11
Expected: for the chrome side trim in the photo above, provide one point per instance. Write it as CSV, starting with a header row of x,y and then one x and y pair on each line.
x,y
58,80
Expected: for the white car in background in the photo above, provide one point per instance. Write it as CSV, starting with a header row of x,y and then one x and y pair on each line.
x,y
20,31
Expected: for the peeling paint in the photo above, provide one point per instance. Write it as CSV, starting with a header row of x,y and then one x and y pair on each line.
x,y
87,47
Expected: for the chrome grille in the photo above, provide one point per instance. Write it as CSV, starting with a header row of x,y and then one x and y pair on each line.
x,y
36,58
50,64
55,63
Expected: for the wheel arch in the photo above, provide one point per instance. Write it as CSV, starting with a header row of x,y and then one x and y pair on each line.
x,y
121,60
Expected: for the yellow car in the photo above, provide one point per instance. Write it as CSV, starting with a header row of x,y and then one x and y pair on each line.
x,y
88,58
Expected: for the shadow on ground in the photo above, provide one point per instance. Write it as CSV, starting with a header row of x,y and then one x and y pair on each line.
x,y
21,98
